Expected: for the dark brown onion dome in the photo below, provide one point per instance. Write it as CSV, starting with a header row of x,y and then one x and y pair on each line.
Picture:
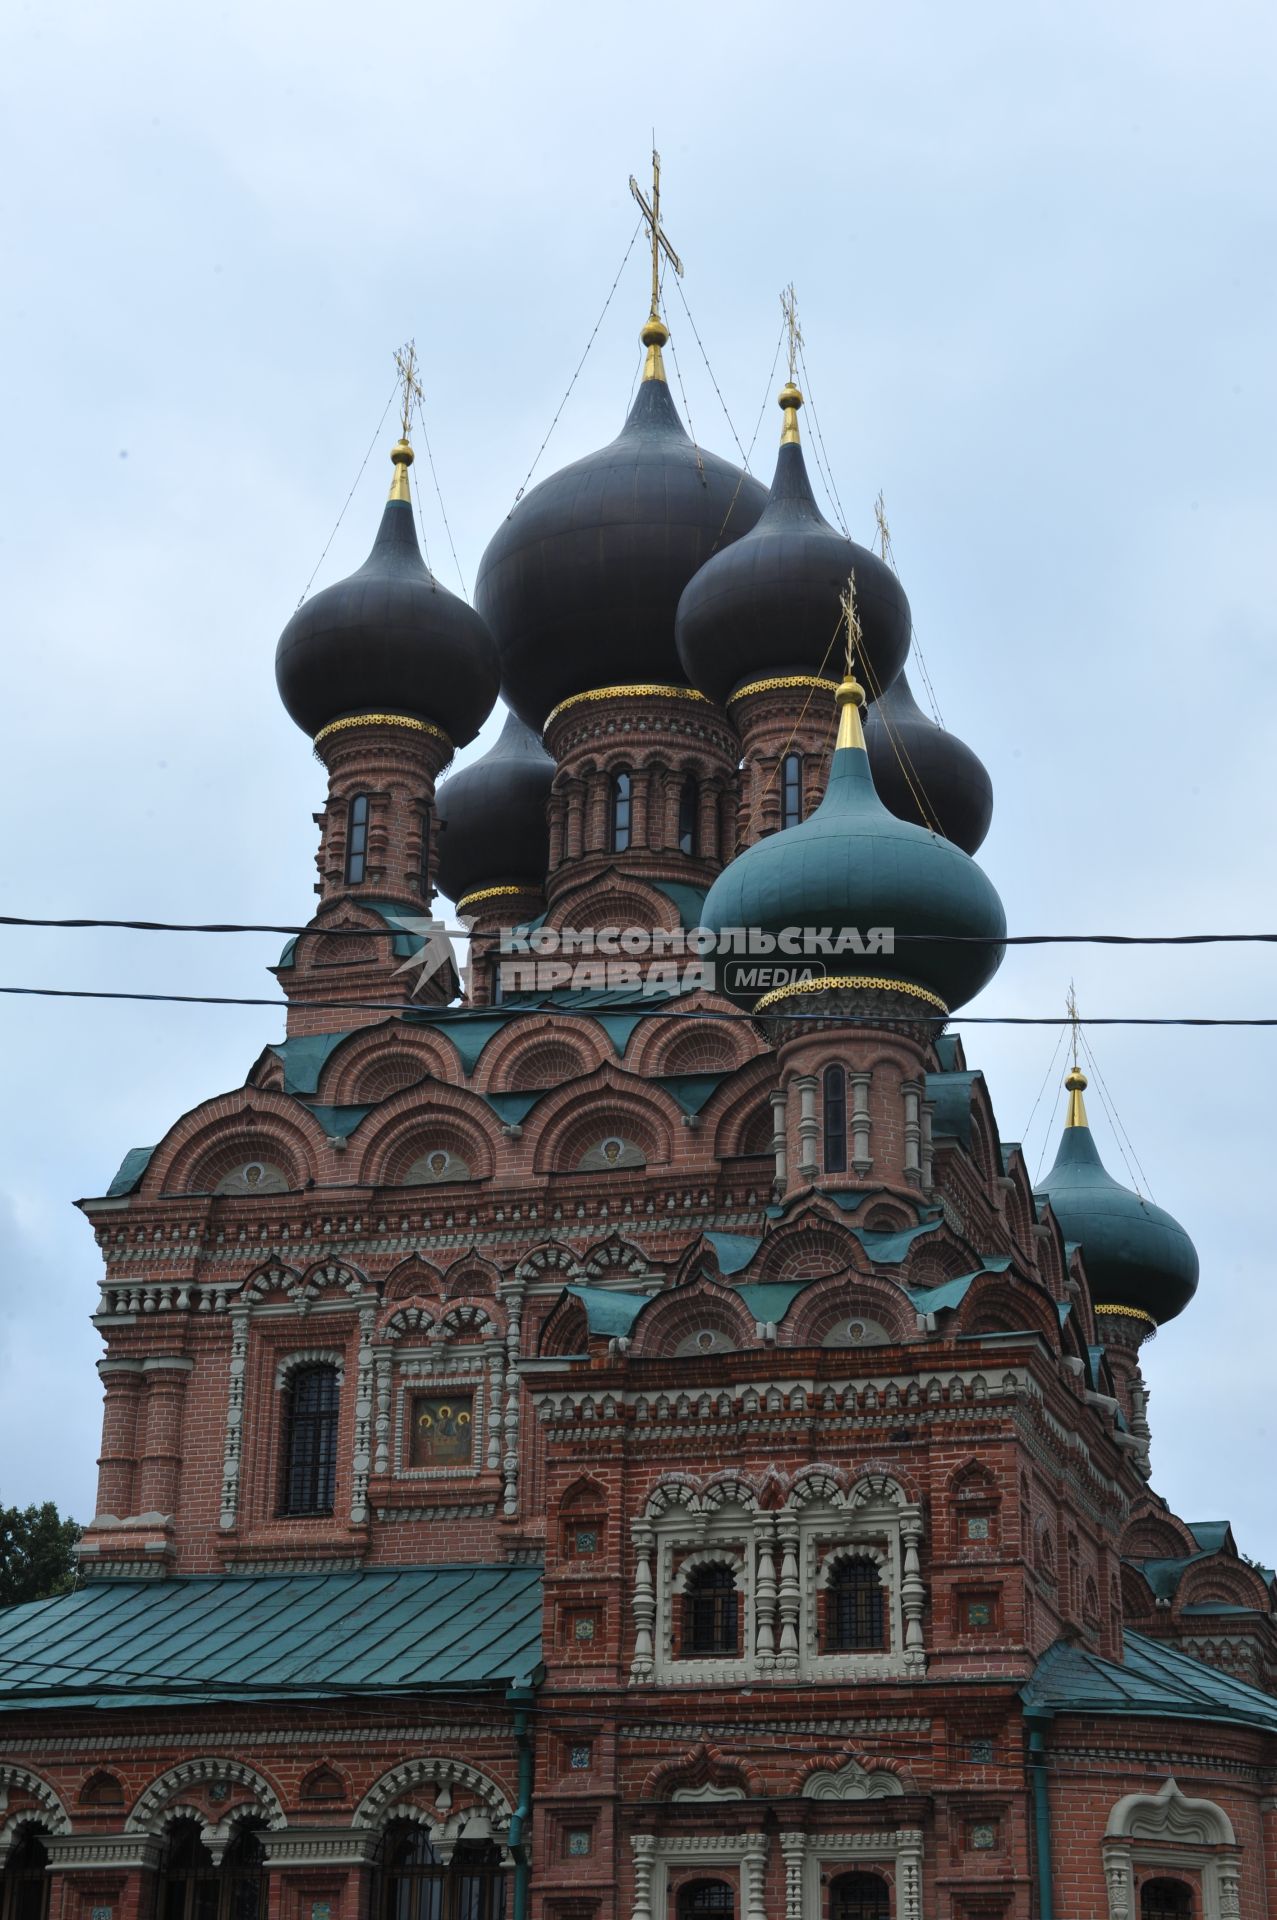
x,y
581,584
389,639
770,607
491,816
925,774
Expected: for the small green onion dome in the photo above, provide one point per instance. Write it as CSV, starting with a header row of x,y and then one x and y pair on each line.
x,y
389,639
853,864
1138,1258
492,825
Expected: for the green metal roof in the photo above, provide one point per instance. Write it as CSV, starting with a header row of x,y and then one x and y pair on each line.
x,y
1212,1535
340,1122
688,900
950,1095
734,1251
129,1177
122,1643
1153,1681
608,1312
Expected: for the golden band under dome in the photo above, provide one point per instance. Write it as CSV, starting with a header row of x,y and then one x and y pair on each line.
x,y
785,683
1128,1313
490,893
646,691
850,982
382,720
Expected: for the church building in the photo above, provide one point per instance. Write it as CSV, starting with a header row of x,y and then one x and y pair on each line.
x,y
614,1433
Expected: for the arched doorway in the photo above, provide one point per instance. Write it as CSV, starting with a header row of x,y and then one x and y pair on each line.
x,y
419,1883
860,1896
24,1885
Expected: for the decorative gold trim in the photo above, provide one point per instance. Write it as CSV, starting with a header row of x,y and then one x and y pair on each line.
x,y
642,691
382,720
838,982
1128,1313
489,893
784,683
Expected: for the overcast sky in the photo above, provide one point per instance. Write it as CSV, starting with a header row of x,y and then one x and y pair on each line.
x,y
1035,258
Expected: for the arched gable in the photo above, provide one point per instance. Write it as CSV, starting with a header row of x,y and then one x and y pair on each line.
x,y
848,1310
565,1329
373,1064
531,1053
414,1279
451,1137
390,1796
703,1772
704,1312
155,1806
1005,1303
250,1127
579,1121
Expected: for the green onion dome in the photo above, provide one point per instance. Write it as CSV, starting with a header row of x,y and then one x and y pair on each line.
x,y
1139,1260
581,583
854,865
491,815
389,639
926,774
771,605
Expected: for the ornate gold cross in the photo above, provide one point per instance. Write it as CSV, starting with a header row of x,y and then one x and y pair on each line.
x,y
651,211
406,361
789,307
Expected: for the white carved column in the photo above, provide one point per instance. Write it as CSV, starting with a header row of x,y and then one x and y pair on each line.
x,y
513,1298
1119,1882
909,1875
1228,1869
789,1597
382,1361
912,1591
644,1603
808,1124
644,1849
496,1404
780,1101
928,1147
234,1442
753,1877
861,1158
765,1594
794,1848
361,1456
913,1132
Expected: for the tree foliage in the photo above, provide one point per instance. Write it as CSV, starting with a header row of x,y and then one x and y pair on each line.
x,y
37,1553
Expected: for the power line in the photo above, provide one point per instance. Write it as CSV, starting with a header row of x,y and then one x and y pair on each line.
x,y
661,1011
931,939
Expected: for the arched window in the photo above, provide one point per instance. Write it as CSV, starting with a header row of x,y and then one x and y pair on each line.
x,y
622,803
711,1612
791,790
193,1888
689,807
859,1896
419,1884
705,1896
25,1881
1166,1900
310,1441
835,1120
356,839
855,1617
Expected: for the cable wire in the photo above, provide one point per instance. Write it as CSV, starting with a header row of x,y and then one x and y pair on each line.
x,y
350,496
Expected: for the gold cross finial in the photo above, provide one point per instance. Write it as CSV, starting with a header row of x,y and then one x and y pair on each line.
x,y
406,361
847,601
1075,1079
884,531
789,307
655,333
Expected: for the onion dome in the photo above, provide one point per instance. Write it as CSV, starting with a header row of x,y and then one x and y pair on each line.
x,y
770,606
852,865
1139,1261
491,816
581,584
389,639
923,773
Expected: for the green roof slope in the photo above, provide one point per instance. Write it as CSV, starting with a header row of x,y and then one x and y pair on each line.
x,y
119,1643
1153,1681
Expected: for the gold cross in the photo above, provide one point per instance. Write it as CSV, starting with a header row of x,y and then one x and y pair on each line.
x,y
847,600
1071,1004
651,212
789,307
884,531
406,361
